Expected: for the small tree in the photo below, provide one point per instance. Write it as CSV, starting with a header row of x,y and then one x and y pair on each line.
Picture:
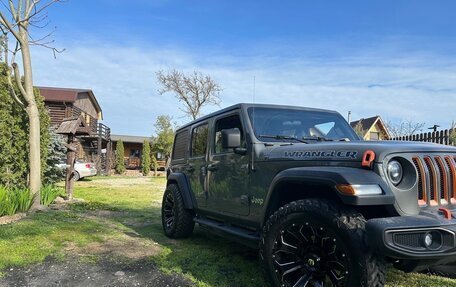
x,y
164,138
154,162
193,90
16,17
56,153
120,164
145,158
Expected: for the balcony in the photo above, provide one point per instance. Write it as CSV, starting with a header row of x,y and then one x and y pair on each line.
x,y
98,130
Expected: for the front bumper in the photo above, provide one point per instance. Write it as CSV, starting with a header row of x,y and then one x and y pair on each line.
x,y
402,237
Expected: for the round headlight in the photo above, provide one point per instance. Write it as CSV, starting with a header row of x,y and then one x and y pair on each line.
x,y
395,172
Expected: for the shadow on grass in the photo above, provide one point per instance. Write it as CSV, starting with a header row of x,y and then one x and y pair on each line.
x,y
208,259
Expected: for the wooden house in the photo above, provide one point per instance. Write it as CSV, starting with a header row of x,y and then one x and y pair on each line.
x,y
133,146
63,103
372,128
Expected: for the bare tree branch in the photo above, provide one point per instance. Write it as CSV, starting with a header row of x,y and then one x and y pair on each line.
x,y
9,27
195,90
17,77
404,128
32,7
8,71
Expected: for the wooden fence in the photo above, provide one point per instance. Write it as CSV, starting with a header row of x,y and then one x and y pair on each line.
x,y
440,137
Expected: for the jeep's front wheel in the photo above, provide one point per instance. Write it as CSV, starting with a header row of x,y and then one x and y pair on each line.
x,y
177,221
315,243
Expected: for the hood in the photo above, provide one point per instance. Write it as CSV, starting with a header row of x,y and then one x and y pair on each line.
x,y
351,151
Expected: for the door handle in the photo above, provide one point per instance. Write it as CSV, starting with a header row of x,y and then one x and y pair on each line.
x,y
212,167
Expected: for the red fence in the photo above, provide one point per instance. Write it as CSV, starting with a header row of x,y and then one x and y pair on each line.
x,y
440,137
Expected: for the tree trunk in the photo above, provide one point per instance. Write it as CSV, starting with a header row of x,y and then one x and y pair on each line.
x,y
34,123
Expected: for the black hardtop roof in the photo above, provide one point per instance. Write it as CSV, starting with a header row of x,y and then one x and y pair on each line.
x,y
249,105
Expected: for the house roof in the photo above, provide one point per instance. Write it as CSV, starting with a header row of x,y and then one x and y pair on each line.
x,y
74,126
367,123
53,94
130,139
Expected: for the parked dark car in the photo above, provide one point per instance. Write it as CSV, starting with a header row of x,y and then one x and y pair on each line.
x,y
323,207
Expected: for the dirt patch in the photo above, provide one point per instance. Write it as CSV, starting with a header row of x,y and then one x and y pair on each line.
x,y
7,219
129,245
104,272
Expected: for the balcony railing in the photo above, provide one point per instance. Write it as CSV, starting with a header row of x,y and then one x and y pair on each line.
x,y
97,129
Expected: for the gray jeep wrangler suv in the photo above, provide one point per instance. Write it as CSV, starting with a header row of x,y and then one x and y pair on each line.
x,y
323,207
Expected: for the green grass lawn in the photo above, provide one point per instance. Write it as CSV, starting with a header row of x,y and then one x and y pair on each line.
x,y
121,217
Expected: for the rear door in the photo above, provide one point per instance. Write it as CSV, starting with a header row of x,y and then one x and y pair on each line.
x,y
197,161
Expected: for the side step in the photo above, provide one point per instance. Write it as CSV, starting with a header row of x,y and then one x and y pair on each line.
x,y
247,237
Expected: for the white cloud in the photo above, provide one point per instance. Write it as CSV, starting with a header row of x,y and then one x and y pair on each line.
x,y
418,86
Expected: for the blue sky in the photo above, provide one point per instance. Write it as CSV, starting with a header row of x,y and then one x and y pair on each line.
x,y
392,58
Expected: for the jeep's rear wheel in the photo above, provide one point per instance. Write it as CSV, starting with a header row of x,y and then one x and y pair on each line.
x,y
314,243
177,221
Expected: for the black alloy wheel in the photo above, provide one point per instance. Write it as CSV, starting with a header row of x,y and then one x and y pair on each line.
x,y
168,211
317,243
308,255
177,221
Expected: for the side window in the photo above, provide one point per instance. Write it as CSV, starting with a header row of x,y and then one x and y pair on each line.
x,y
180,145
230,122
199,140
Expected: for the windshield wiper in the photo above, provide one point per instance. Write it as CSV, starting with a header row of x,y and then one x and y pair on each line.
x,y
282,137
318,139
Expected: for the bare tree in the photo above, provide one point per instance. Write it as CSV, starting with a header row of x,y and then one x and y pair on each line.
x,y
404,128
16,18
194,90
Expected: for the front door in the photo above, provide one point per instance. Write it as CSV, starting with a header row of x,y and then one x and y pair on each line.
x,y
228,172
196,168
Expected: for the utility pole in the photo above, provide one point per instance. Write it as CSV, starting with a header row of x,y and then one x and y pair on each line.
x,y
349,116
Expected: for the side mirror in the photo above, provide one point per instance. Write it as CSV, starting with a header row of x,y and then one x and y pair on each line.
x,y
231,138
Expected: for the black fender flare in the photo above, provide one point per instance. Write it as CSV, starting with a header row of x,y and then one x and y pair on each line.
x,y
181,180
330,177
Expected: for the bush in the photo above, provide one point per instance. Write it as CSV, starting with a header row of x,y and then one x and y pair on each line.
x,y
49,193
145,158
120,164
56,152
154,163
14,200
14,135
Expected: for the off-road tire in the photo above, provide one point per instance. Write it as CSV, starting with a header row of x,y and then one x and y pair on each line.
x,y
346,227
182,223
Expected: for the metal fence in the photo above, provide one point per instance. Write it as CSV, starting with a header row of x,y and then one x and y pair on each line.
x,y
440,137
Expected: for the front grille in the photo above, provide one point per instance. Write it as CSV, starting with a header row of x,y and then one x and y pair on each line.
x,y
436,179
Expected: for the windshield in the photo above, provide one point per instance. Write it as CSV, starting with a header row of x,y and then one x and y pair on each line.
x,y
280,124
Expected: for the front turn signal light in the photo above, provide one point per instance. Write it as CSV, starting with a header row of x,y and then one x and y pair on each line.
x,y
359,189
